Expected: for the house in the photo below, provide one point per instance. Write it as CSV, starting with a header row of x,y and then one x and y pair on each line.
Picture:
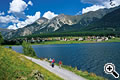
x,y
32,40
99,40
80,39
106,39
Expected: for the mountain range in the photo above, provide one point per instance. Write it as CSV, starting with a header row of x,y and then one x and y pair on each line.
x,y
94,20
110,22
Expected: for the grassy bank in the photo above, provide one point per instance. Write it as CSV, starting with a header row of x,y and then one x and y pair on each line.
x,y
74,42
113,40
13,66
71,42
62,42
85,74
57,42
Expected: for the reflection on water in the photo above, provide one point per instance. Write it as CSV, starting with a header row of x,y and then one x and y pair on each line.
x,y
90,56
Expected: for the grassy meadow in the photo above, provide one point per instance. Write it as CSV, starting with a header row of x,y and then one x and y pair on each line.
x,y
14,66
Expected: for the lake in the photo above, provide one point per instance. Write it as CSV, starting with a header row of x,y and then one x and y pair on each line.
x,y
89,57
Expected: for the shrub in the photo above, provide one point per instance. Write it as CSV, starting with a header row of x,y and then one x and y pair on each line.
x,y
27,49
1,39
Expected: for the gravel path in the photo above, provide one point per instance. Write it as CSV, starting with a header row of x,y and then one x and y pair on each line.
x,y
63,73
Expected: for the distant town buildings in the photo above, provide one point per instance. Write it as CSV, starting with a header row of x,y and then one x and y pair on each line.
x,y
39,40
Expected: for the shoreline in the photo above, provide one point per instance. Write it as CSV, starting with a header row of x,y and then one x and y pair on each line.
x,y
85,74
71,42
76,42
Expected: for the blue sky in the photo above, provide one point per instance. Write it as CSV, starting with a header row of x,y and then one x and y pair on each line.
x,y
69,7
16,14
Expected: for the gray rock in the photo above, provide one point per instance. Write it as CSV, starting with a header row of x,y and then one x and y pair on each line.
x,y
37,75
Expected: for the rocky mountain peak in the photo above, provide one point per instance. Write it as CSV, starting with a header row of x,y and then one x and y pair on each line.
x,y
60,23
42,20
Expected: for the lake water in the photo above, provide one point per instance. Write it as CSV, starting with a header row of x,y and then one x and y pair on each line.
x,y
89,57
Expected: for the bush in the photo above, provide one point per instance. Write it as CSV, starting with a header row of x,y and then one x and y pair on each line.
x,y
27,49
10,47
1,39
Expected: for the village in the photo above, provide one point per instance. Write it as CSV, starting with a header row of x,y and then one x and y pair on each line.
x,y
39,40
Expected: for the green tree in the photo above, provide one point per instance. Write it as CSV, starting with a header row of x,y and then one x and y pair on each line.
x,y
27,49
1,39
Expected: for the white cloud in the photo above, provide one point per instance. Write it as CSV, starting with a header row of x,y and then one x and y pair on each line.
x,y
29,20
2,13
79,13
92,8
8,19
30,3
94,1
17,6
100,4
112,4
49,15
12,27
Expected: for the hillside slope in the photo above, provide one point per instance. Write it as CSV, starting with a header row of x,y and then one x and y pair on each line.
x,y
86,20
110,22
14,66
5,31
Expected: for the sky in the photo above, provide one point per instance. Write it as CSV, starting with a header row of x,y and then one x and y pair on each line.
x,y
16,14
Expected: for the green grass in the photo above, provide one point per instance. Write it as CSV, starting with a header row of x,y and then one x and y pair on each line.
x,y
57,42
71,42
14,66
62,42
74,42
85,74
113,40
